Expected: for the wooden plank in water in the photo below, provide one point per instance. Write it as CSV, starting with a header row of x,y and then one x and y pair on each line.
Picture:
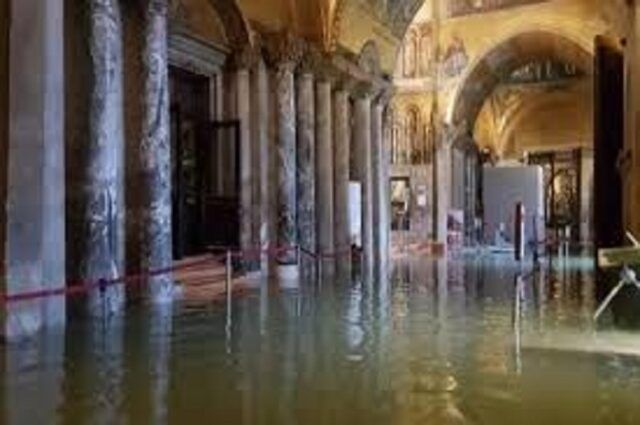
x,y
617,257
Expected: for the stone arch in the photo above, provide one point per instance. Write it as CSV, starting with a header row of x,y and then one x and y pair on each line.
x,y
236,25
490,68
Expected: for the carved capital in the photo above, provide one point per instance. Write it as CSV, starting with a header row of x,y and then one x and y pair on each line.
x,y
244,58
385,95
311,60
158,7
283,50
363,89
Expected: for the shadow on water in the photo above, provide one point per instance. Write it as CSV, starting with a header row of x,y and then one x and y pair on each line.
x,y
438,342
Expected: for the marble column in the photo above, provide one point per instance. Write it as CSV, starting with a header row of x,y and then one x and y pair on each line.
x,y
103,166
306,161
242,112
284,53
155,154
362,173
260,140
378,186
341,176
324,167
33,196
443,189
387,128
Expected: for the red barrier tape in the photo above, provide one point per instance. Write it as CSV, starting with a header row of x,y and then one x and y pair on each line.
x,y
83,287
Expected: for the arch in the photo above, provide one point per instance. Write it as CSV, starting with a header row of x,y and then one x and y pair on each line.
x,y
235,24
561,103
490,68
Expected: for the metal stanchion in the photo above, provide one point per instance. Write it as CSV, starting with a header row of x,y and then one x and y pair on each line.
x,y
228,280
229,288
519,232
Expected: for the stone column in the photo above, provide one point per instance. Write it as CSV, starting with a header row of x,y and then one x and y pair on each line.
x,y
324,167
306,159
387,129
341,176
260,141
378,186
362,173
443,188
33,196
284,53
103,163
155,154
242,112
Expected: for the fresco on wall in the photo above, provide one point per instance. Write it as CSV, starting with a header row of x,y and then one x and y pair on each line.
x,y
468,7
455,58
417,54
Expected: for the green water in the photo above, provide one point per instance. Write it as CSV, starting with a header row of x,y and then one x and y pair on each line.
x,y
436,344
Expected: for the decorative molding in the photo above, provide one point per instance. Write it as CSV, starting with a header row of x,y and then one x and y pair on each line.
x,y
191,53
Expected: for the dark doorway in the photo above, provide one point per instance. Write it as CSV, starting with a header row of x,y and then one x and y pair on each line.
x,y
205,164
608,143
221,185
189,109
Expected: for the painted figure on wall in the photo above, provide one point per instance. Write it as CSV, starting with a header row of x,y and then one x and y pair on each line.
x,y
455,59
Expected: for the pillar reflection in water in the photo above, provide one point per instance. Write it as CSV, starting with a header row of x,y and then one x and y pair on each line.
x,y
33,372
93,384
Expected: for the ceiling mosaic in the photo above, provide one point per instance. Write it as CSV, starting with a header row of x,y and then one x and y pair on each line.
x,y
468,7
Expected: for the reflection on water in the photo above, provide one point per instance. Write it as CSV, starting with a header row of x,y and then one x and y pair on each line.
x,y
438,343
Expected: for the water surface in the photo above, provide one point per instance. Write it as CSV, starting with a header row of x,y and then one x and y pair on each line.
x,y
438,343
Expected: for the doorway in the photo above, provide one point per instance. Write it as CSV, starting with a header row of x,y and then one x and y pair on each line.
x,y
608,144
205,166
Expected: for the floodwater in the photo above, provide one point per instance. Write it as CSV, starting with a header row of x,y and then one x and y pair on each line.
x,y
439,343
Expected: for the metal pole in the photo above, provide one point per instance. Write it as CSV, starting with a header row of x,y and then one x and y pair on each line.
x,y
519,232
228,281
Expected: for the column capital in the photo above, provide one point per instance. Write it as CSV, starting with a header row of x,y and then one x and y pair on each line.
x,y
158,7
385,95
311,60
283,49
245,58
363,90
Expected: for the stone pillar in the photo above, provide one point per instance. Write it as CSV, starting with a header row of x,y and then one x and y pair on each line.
x,y
284,53
306,161
34,192
324,167
378,186
387,129
242,112
103,163
341,176
443,189
260,140
155,154
362,173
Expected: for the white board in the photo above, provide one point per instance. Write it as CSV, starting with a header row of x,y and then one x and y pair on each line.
x,y
355,213
503,188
